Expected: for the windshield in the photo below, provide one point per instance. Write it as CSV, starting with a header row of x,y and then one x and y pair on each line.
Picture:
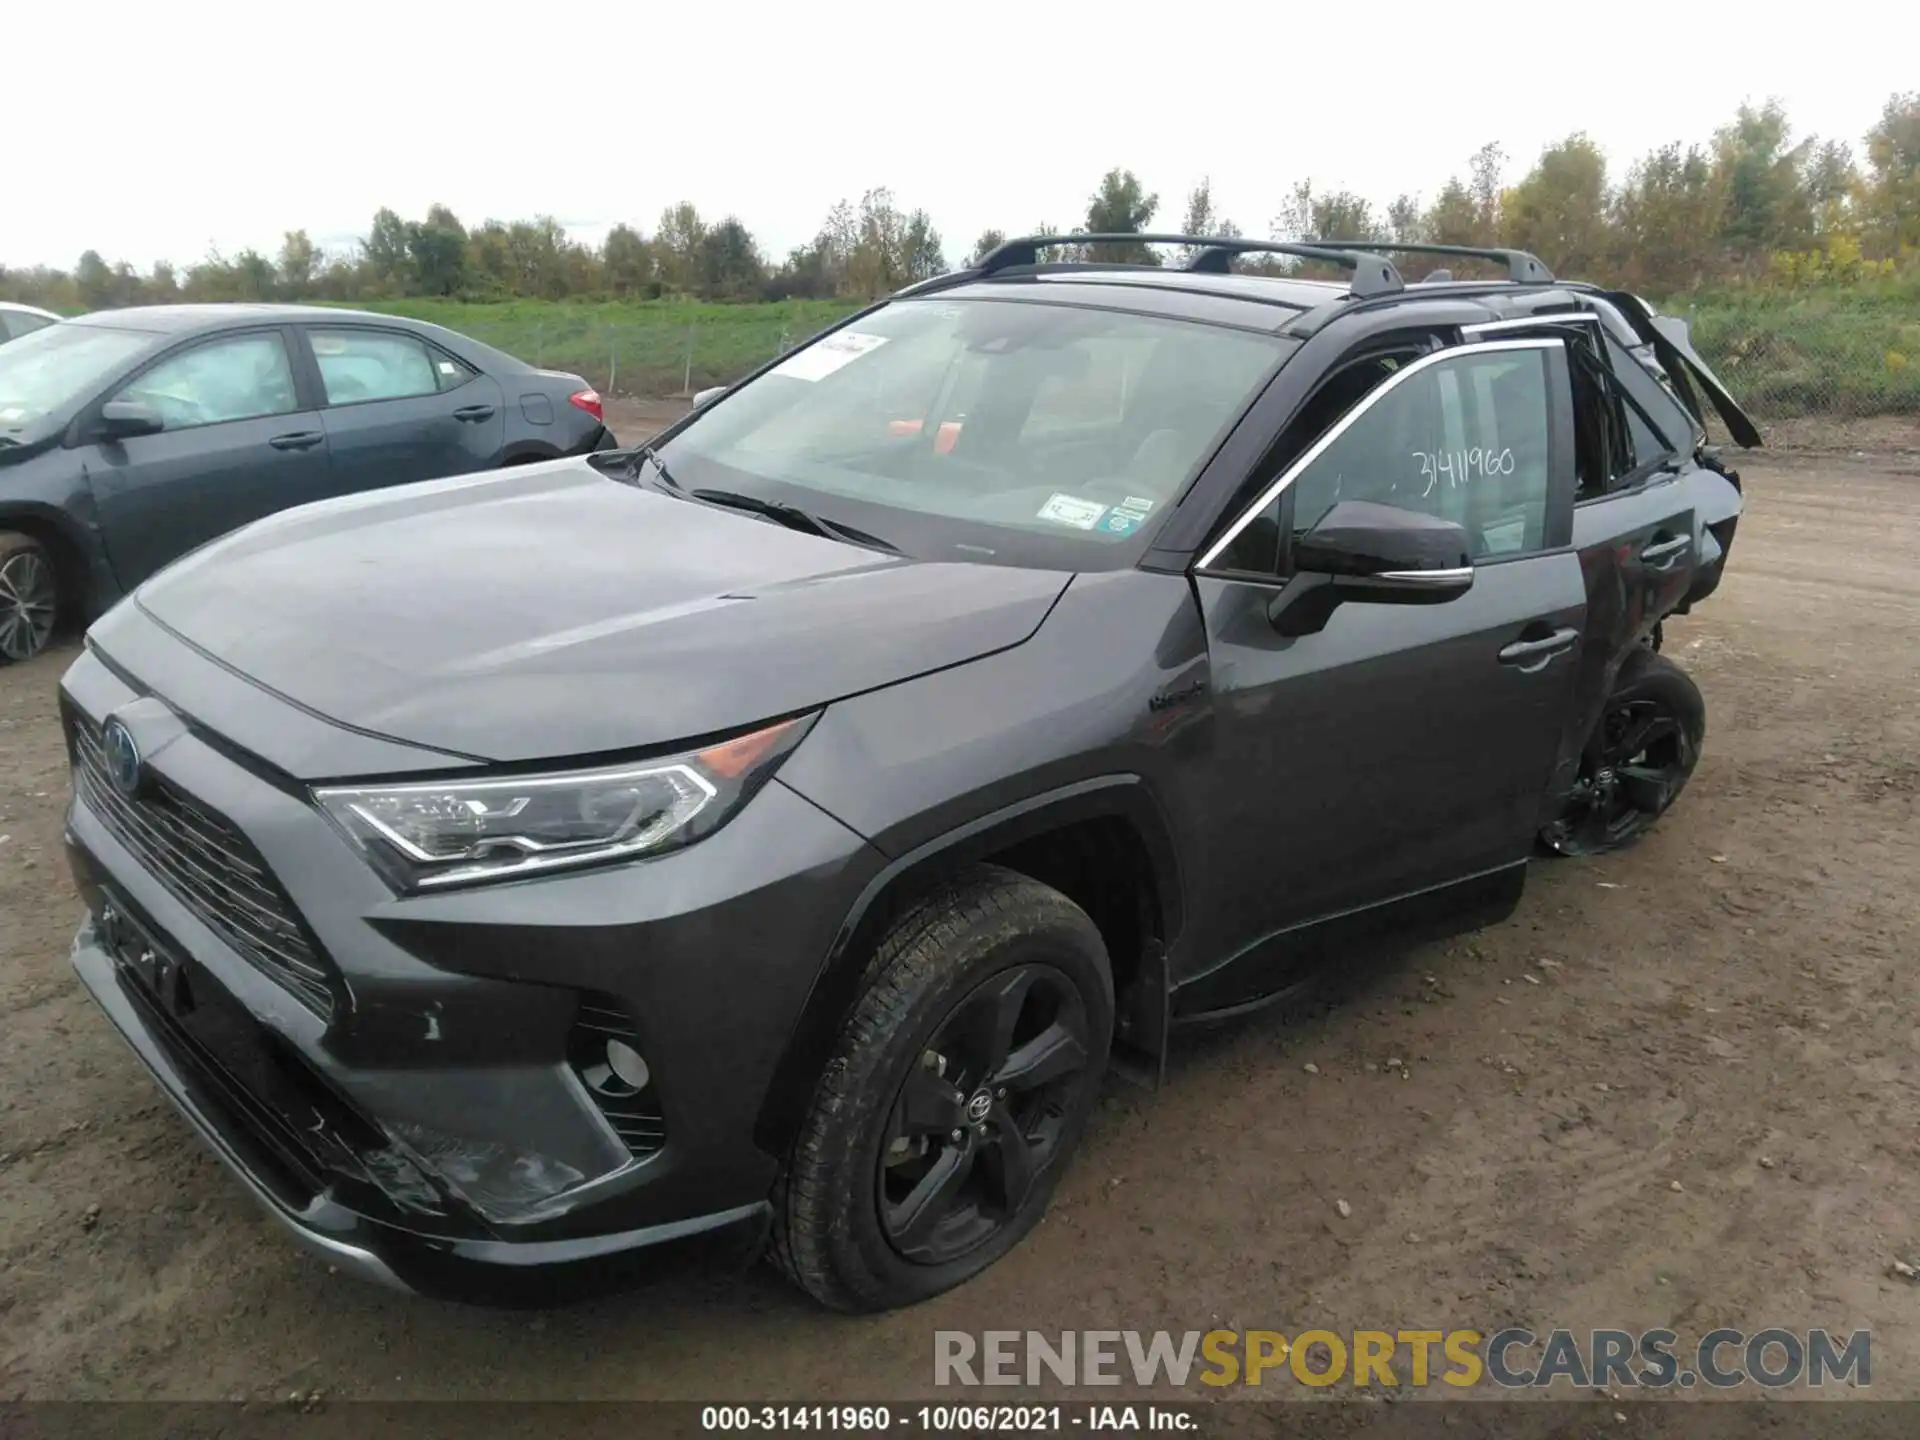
x,y
1016,431
49,371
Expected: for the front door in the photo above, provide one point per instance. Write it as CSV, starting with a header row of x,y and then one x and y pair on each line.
x,y
399,409
237,446
1394,749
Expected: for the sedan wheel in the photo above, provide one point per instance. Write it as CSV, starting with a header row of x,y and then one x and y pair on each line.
x,y
29,598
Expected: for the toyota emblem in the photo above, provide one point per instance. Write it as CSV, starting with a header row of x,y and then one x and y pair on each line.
x,y
122,757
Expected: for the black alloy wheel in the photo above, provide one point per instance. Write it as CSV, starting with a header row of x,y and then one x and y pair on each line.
x,y
956,1091
1639,760
982,1113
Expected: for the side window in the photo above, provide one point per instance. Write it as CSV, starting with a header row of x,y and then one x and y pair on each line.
x,y
1659,424
15,323
361,365
451,371
241,377
1463,438
1256,549
1646,445
1604,450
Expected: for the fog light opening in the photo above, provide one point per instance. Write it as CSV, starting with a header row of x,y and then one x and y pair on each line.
x,y
618,1073
628,1068
604,1051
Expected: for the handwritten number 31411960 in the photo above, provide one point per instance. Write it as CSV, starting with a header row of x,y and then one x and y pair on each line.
x,y
1461,467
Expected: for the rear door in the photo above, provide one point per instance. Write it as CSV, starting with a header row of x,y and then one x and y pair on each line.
x,y
239,444
400,409
1634,525
1396,749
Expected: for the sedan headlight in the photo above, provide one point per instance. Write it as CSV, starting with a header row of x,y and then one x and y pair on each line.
x,y
436,833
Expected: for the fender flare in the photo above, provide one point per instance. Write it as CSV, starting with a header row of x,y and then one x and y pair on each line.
x,y
93,586
836,985
528,451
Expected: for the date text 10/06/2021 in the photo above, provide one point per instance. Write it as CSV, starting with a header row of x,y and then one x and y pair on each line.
x,y
946,1419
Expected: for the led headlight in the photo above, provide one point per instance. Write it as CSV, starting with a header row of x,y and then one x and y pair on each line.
x,y
435,833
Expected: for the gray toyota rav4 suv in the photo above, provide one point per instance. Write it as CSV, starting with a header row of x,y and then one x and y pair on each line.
x,y
769,836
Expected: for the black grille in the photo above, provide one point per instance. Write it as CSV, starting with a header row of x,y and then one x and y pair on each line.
x,y
635,1116
210,868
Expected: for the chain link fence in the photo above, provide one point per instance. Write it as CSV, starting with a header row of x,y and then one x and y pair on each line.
x,y
648,358
1809,377
1801,364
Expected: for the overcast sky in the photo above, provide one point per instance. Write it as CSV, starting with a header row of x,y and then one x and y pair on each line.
x,y
156,131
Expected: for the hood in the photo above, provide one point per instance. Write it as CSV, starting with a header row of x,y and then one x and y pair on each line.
x,y
23,436
549,612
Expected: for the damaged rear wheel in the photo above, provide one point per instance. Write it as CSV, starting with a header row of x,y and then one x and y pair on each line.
x,y
1638,761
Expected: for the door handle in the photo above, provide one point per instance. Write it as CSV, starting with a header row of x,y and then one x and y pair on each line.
x,y
298,440
1664,554
1531,655
472,413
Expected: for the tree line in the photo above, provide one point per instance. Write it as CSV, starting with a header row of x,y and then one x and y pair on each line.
x,y
1753,205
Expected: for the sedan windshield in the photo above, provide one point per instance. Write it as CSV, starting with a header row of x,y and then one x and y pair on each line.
x,y
51,370
1019,431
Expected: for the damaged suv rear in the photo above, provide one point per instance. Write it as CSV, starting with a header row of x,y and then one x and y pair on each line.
x,y
773,834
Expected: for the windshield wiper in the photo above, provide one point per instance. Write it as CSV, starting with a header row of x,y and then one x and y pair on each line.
x,y
629,462
791,516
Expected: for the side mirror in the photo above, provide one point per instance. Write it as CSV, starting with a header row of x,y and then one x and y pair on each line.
x,y
1384,554
123,419
1365,552
708,396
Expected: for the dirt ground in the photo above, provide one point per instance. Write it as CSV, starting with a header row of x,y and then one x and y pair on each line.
x,y
1678,1088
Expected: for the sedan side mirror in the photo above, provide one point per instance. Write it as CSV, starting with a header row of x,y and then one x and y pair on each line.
x,y
708,396
1386,554
123,419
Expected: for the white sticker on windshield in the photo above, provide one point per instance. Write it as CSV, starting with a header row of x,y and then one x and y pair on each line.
x,y
1136,504
1071,510
820,360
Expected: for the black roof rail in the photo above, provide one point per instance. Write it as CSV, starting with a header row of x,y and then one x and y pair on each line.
x,y
946,280
1522,268
1372,275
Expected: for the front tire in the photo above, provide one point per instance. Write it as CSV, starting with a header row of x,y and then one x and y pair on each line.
x,y
957,1092
29,597
1638,761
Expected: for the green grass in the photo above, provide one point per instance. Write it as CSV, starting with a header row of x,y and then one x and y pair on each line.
x,y
1826,356
1843,353
654,347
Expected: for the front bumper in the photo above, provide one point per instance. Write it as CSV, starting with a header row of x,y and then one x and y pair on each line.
x,y
427,1123
401,1259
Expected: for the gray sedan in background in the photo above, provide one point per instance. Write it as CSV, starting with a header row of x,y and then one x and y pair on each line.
x,y
129,437
17,320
